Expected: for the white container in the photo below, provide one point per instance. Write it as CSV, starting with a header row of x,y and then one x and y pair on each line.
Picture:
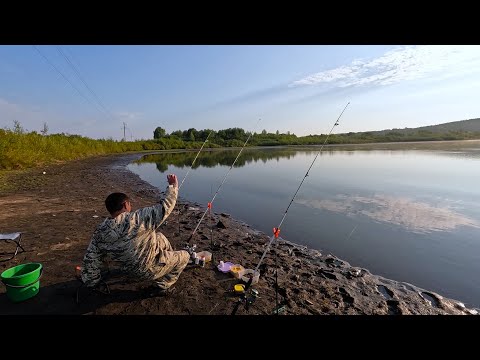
x,y
249,273
206,254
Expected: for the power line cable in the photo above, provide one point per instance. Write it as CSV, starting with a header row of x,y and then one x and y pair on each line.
x,y
64,76
95,96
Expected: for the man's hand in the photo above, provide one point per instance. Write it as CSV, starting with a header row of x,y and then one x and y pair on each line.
x,y
172,180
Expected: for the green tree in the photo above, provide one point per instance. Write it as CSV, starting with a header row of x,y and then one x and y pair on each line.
x,y
191,134
159,133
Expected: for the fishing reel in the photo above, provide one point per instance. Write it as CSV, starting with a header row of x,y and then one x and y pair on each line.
x,y
247,298
250,298
191,250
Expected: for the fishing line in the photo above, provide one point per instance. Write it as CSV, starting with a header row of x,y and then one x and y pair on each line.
x,y
276,230
218,190
179,187
193,162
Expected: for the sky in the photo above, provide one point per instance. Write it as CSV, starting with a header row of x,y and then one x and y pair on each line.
x,y
93,90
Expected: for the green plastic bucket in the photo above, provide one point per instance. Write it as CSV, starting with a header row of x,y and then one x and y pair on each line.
x,y
22,281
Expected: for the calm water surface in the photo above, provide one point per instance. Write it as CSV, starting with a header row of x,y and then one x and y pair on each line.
x,y
409,212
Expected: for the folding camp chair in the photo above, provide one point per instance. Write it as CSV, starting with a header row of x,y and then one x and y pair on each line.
x,y
14,238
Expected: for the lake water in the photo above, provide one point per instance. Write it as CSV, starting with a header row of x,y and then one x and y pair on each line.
x,y
408,212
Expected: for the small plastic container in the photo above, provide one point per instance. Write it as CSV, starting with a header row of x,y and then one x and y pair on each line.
x,y
206,254
250,273
239,288
224,266
237,271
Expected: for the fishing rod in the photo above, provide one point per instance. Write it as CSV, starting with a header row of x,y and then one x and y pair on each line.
x,y
191,167
218,190
276,230
193,163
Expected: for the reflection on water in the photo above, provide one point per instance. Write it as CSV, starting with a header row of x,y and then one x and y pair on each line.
x,y
415,216
212,158
414,208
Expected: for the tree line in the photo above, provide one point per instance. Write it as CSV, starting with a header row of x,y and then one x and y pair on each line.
x,y
20,148
237,136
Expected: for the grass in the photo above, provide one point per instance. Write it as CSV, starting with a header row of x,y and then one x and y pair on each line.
x,y
20,150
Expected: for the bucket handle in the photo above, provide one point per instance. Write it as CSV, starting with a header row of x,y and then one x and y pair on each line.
x,y
24,286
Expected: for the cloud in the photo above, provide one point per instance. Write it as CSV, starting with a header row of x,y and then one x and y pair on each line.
x,y
325,92
128,115
415,216
255,95
84,123
403,63
397,65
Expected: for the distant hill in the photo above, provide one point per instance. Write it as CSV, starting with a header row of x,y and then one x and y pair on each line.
x,y
471,125
455,130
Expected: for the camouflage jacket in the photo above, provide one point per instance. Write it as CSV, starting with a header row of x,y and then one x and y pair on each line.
x,y
131,240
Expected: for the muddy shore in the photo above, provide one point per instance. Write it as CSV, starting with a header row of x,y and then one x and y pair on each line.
x,y
58,211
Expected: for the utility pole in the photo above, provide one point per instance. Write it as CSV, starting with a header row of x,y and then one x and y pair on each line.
x,y
124,138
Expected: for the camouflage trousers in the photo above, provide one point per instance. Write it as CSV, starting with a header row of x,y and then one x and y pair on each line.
x,y
168,275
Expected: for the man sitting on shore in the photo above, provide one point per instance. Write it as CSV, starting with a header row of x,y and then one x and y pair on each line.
x,y
130,239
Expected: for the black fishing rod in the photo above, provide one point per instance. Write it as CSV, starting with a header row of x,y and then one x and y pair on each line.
x,y
184,178
218,190
276,231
